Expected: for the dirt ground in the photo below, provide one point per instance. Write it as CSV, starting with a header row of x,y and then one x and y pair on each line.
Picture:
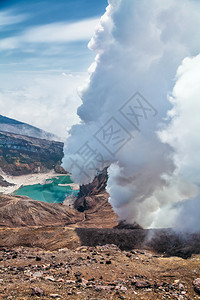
x,y
63,268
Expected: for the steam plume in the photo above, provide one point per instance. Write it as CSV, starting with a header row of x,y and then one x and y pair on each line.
x,y
139,46
182,134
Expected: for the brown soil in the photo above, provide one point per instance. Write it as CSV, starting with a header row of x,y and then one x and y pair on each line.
x,y
17,211
81,256
102,272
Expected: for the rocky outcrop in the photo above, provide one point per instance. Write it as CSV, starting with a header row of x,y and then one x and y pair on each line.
x,y
69,201
59,169
93,201
125,225
18,211
5,183
196,283
86,199
21,155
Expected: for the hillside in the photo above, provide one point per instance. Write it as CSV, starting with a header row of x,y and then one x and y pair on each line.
x,y
19,211
14,126
21,154
90,194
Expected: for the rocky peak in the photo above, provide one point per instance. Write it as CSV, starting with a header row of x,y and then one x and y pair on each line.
x,y
86,199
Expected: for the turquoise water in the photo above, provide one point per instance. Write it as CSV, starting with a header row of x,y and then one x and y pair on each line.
x,y
49,192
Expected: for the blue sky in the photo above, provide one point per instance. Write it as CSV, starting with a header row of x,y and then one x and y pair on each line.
x,y
34,34
44,59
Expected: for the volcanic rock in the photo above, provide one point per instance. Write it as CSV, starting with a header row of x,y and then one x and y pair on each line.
x,y
55,296
140,284
69,201
86,199
197,285
124,225
92,200
141,278
4,183
37,291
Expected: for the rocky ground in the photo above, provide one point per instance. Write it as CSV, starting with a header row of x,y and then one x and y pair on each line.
x,y
21,211
16,211
51,251
4,183
102,272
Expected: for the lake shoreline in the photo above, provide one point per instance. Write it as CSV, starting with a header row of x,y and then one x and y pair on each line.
x,y
24,180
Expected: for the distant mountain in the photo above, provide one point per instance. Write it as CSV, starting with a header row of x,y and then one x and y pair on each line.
x,y
14,126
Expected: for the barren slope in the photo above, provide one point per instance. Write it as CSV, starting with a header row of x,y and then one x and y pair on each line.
x,y
16,211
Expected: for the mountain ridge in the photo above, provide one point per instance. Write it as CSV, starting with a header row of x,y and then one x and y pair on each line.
x,y
14,126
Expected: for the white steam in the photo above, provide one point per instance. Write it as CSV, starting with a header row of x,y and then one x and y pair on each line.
x,y
183,135
139,46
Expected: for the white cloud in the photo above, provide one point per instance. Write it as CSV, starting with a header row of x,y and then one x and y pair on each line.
x,y
60,32
48,101
9,43
7,17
